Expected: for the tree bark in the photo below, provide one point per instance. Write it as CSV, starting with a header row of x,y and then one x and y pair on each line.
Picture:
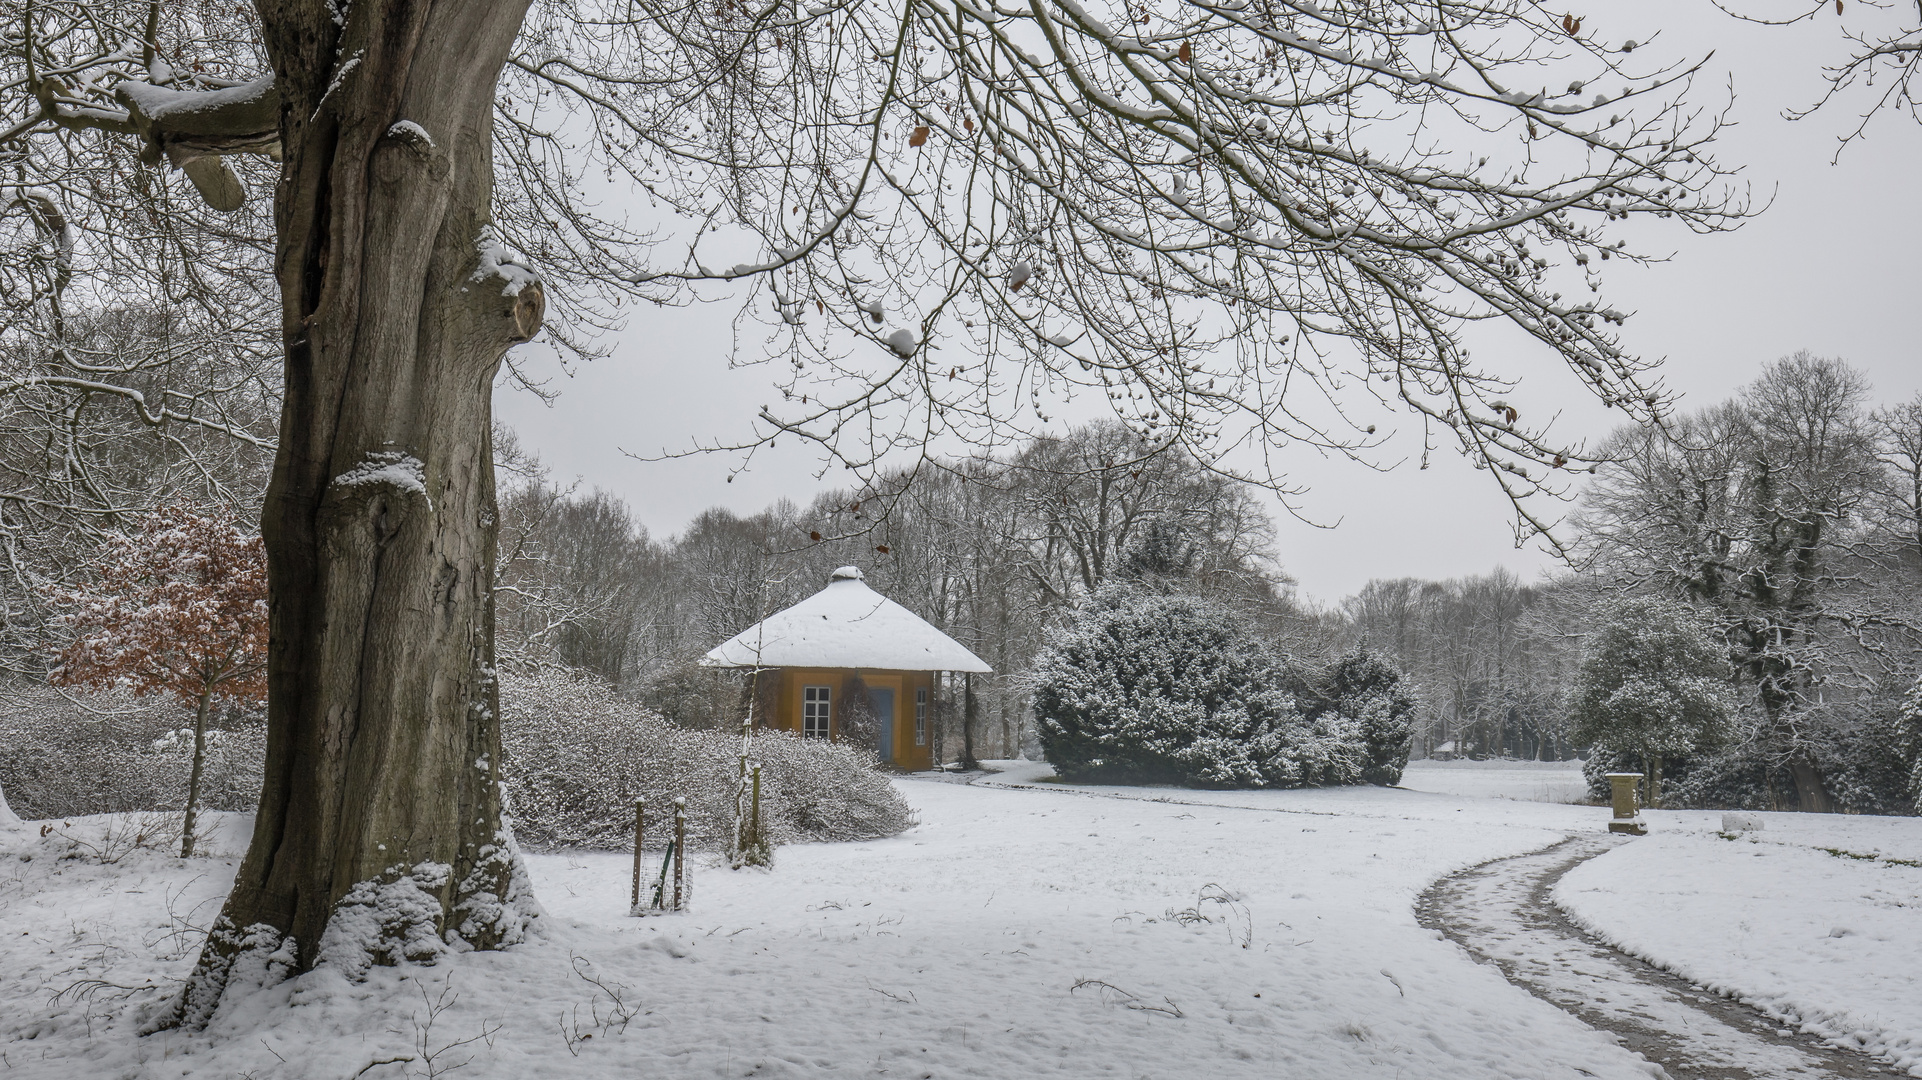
x,y
379,836
969,714
1812,795
193,776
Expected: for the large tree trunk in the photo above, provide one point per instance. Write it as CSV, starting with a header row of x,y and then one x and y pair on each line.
x,y
1811,794
379,836
1778,707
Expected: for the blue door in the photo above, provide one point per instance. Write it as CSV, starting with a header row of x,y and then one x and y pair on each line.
x,y
883,702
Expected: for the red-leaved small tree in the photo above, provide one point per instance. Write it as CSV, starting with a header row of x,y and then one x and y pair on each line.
x,y
179,608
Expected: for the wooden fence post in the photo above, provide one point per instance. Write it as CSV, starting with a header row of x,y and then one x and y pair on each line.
x,y
680,847
640,811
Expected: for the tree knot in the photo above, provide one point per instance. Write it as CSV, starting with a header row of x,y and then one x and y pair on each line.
x,y
520,286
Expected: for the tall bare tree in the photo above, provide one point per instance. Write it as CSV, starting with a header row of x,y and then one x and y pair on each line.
x,y
1758,510
1884,42
1226,218
1899,428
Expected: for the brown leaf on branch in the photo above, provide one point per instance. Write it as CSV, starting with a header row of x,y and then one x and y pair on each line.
x,y
1572,25
920,136
1187,53
180,608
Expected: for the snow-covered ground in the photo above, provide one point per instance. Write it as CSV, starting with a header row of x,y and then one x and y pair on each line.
x,y
1534,781
1023,929
1826,940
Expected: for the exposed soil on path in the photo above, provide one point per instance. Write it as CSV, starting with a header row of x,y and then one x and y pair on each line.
x,y
1501,912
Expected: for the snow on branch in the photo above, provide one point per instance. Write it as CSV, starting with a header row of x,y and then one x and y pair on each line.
x,y
1239,224
188,118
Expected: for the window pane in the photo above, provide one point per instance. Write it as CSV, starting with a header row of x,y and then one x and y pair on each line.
x,y
815,711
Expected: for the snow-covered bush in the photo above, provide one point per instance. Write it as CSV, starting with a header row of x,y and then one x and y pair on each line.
x,y
1368,689
1863,753
1142,687
577,754
1653,684
1865,767
1908,739
120,753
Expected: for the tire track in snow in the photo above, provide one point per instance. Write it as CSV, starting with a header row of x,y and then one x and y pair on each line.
x,y
1501,913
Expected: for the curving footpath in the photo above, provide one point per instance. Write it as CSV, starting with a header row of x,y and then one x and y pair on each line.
x,y
1501,912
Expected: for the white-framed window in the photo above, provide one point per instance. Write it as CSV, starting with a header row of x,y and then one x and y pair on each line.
x,y
816,705
921,717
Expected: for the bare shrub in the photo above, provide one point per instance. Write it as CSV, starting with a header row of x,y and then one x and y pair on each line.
x,y
115,753
577,754
109,839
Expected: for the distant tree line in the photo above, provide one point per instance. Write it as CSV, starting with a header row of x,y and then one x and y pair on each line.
x,y
1789,518
991,549
1491,657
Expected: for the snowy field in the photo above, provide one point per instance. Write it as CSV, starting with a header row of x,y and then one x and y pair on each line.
x,y
1023,929
1533,781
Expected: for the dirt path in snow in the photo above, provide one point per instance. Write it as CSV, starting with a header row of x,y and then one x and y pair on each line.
x,y
1500,912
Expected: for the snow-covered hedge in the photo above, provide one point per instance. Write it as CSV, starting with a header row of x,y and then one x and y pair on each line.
x,y
1143,687
1862,764
577,754
120,753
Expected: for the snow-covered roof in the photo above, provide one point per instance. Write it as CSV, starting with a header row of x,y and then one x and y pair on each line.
x,y
846,625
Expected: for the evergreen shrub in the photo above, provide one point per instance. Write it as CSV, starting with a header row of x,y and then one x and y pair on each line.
x,y
1144,687
1368,688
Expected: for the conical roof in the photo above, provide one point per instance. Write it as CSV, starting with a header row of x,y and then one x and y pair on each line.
x,y
846,625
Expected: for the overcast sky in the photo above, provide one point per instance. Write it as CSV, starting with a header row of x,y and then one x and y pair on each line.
x,y
1831,266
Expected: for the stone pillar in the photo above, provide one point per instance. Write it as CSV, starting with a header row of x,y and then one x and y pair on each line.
x,y
1622,787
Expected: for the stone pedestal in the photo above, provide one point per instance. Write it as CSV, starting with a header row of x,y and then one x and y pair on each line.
x,y
1621,786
